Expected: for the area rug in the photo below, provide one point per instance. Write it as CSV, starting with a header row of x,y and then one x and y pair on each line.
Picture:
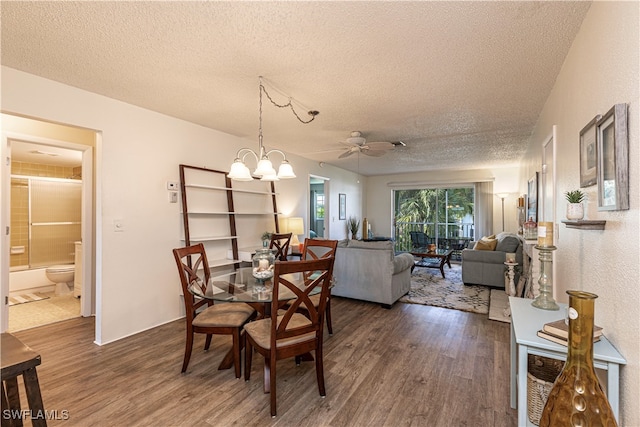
x,y
499,303
429,288
25,298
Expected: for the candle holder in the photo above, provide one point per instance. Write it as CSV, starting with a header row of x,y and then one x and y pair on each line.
x,y
545,300
511,287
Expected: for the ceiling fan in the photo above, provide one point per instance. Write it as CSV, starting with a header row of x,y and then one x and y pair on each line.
x,y
357,143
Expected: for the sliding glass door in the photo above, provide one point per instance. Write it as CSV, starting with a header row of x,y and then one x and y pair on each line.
x,y
444,215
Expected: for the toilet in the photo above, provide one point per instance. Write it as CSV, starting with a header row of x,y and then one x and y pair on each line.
x,y
62,276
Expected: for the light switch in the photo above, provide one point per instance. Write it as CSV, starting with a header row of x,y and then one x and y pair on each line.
x,y
173,197
172,185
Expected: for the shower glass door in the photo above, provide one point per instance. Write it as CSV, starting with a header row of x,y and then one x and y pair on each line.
x,y
56,208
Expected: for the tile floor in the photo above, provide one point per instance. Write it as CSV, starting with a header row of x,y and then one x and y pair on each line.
x,y
43,312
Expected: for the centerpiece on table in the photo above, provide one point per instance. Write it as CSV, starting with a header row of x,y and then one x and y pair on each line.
x,y
263,264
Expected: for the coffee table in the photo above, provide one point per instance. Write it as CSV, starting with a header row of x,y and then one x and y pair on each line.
x,y
432,259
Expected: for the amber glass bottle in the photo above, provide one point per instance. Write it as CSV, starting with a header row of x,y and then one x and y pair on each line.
x,y
577,399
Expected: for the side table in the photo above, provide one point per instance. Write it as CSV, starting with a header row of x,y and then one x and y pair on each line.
x,y
526,321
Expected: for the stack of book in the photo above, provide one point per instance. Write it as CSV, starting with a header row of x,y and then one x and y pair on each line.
x,y
558,332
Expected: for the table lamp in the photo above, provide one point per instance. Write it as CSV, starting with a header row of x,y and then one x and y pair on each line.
x,y
295,226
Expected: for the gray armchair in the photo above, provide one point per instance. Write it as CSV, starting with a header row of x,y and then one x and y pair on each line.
x,y
482,267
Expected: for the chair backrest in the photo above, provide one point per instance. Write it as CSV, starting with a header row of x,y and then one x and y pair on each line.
x,y
280,242
312,274
419,239
319,248
190,260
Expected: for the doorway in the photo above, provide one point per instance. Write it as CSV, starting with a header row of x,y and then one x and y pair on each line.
x,y
33,144
318,206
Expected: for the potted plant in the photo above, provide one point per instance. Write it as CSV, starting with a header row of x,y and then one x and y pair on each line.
x,y
266,238
575,210
353,224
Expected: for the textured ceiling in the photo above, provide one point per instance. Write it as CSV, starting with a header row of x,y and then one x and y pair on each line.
x,y
461,83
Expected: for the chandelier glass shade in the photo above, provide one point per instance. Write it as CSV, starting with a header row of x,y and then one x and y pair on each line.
x,y
264,167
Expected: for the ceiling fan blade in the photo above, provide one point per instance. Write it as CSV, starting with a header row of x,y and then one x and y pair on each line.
x,y
373,153
381,145
346,154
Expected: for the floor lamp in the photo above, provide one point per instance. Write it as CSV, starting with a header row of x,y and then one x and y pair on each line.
x,y
502,196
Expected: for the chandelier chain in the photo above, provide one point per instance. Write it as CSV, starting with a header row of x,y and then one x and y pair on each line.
x,y
312,113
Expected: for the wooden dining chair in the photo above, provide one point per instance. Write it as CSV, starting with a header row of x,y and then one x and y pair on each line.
x,y
280,242
220,319
318,249
291,334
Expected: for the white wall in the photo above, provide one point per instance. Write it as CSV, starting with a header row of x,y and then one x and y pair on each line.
x,y
379,194
139,151
600,70
294,199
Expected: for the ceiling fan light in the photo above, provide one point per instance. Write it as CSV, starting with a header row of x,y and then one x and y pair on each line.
x,y
265,167
239,171
285,171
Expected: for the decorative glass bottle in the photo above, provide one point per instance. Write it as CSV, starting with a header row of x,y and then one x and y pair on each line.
x,y
530,229
577,399
263,264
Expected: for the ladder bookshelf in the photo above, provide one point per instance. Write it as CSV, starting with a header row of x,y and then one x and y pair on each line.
x,y
225,217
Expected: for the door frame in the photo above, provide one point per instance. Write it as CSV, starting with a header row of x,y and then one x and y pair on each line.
x,y
87,227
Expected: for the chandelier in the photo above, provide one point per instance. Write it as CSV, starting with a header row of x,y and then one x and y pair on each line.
x,y
264,169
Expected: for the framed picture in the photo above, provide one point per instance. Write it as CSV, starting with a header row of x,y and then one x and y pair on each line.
x,y
532,198
588,153
613,159
342,206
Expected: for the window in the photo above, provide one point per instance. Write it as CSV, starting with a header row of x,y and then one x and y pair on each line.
x,y
319,206
443,214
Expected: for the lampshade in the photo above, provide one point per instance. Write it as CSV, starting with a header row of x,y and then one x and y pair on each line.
x,y
239,171
502,195
295,226
269,177
285,171
265,167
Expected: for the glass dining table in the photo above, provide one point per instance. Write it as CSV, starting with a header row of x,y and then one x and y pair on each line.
x,y
240,286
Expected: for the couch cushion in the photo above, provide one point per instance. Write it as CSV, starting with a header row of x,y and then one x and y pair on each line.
x,y
508,244
401,262
485,244
377,245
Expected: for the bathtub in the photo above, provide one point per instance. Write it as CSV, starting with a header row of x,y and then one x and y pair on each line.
x,y
22,280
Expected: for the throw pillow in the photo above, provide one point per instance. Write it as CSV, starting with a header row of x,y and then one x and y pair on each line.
x,y
508,244
486,244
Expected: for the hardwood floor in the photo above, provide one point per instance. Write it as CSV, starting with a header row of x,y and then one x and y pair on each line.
x,y
410,365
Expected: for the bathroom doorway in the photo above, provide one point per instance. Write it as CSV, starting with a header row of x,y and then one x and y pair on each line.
x,y
48,208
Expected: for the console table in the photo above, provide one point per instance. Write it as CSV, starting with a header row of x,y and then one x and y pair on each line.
x,y
526,321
